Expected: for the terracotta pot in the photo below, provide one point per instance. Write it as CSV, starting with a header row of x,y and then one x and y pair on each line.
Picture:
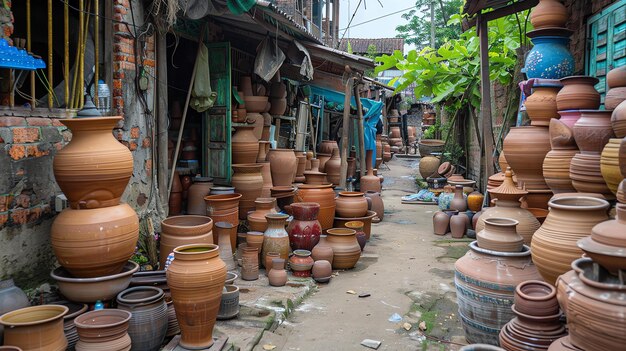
x,y
351,204
196,268
428,146
542,330
103,330
322,271
610,164
322,252
300,167
197,191
11,299
184,230
340,222
255,240
346,249
578,93
255,104
369,182
441,223
248,181
485,281
94,168
526,148
223,208
278,106
333,167
500,234
277,275
256,218
458,201
245,145
375,203
549,13
541,104
224,232
301,263
458,225
536,298
618,120
357,226
554,243
283,165
586,175
475,201
250,263
593,130
327,146
614,97
267,263
304,229
37,328
323,158
95,242
148,324
315,178
606,243
557,162
622,157
324,196
229,304
276,238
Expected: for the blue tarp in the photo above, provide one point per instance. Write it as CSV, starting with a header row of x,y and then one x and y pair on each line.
x,y
370,118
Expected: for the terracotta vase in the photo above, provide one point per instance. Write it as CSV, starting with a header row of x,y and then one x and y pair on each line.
x,y
223,208
183,230
458,225
557,161
276,238
224,232
441,223
324,196
526,148
11,299
578,93
322,271
250,263
196,278
340,222
301,263
614,97
606,243
256,218
593,130
95,242
255,240
586,174
500,235
541,104
458,202
618,120
333,167
148,324
549,13
277,275
37,328
485,282
197,191
351,204
245,145
267,263
370,182
346,249
322,252
248,181
475,201
554,243
327,146
610,164
375,203
283,165
304,229
94,168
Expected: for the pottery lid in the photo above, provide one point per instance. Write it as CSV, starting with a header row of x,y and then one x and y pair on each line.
x,y
507,191
612,232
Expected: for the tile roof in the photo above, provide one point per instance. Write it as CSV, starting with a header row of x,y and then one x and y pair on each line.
x,y
383,45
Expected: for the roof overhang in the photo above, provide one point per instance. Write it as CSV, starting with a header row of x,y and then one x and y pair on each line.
x,y
490,10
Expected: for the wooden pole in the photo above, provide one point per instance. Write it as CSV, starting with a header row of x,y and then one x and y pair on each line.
x,y
485,104
360,129
328,37
162,113
345,142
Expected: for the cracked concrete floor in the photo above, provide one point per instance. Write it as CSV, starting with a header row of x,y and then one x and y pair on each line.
x,y
405,268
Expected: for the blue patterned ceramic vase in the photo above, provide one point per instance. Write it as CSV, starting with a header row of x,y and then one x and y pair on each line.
x,y
550,57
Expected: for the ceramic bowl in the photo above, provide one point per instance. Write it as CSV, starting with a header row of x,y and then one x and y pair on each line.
x,y
536,298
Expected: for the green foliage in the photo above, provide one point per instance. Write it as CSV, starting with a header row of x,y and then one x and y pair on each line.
x,y
417,30
429,133
372,51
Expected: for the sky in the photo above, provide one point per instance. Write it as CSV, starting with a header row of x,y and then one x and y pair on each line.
x,y
370,10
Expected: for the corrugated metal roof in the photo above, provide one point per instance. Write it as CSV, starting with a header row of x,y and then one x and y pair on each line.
x,y
383,45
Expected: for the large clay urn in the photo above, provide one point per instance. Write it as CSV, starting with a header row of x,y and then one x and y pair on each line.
x,y
245,145
275,237
370,182
304,229
105,329
37,328
541,104
351,204
333,168
428,165
248,181
578,93
346,249
557,162
256,218
283,165
196,278
593,130
485,282
324,196
549,14
197,191
184,230
610,164
570,219
95,242
223,208
94,168
526,148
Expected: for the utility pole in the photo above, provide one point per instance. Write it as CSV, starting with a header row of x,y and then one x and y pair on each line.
x,y
432,24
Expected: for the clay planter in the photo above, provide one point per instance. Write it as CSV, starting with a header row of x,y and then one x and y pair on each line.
x,y
500,235
526,148
593,130
369,182
554,243
375,203
196,278
618,120
610,164
256,218
103,330
586,174
148,324
549,13
578,93
276,238
327,146
541,104
351,204
536,298
95,242
485,282
428,146
250,263
340,222
332,168
245,145
277,276
224,232
283,163
223,208
428,166
301,263
37,328
346,249
94,168
606,243
441,223
322,271
614,97
197,191
184,230
304,229
324,196
248,182
11,299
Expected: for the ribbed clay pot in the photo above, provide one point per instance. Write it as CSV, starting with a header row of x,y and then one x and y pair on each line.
x,y
184,230
554,243
610,165
245,145
536,298
324,196
526,148
196,278
276,238
283,165
322,251
500,234
350,204
618,120
94,168
223,208
606,243
36,328
614,97
428,166
148,324
304,229
557,162
256,218
541,104
586,174
458,225
549,13
370,182
105,329
300,166
248,182
250,263
578,93
346,249
95,242
593,130
333,168
254,240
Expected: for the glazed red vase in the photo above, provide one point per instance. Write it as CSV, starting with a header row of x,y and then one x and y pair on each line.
x,y
304,230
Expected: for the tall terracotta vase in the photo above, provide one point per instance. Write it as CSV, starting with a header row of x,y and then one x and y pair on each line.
x,y
223,208
224,231
333,167
570,219
578,93
541,104
196,278
256,219
276,238
557,162
245,145
324,196
549,13
346,249
248,181
183,230
283,163
304,229
526,148
197,191
370,182
94,168
36,328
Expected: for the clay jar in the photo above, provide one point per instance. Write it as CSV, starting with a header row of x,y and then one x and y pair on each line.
x,y
184,230
541,104
11,298
95,242
525,149
618,120
256,218
428,165
327,146
370,182
277,275
324,196
357,226
333,168
94,168
350,204
248,182
283,163
441,223
322,252
536,298
223,208
304,229
196,278
610,164
276,238
103,330
557,162
458,201
37,328
578,93
245,145
322,271
346,249
593,130
458,225
197,191
500,235
375,203
570,219
148,324
548,13
301,263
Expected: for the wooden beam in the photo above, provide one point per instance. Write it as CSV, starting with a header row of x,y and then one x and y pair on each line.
x,y
162,113
501,12
345,144
485,104
360,131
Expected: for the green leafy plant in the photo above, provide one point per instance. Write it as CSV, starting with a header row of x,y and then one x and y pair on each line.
x,y
418,28
429,133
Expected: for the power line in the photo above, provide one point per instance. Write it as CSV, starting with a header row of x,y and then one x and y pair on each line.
x,y
377,18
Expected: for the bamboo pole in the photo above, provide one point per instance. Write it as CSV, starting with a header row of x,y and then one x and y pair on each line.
x,y
77,57
50,57
33,102
66,53
343,173
96,40
81,81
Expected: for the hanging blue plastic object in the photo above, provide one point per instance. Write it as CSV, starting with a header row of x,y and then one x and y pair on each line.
x,y
12,57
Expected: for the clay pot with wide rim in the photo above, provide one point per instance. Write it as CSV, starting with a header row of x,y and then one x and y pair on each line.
x,y
536,332
245,145
541,104
324,196
105,329
283,165
500,234
351,204
197,191
304,229
148,324
367,220
36,328
277,276
229,304
276,238
536,298
184,230
333,167
95,242
375,203
428,146
593,130
196,278
256,218
301,263
578,93
618,120
570,219
346,249
548,14
606,243
248,182
370,182
11,298
223,208
526,148
224,232
610,164
94,168
254,240
315,178
428,166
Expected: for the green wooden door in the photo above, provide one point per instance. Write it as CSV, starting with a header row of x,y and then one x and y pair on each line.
x,y
217,121
606,33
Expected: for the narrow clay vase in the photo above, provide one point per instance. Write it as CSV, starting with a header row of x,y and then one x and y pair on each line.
x,y
283,165
333,167
458,225
441,223
37,328
500,235
224,231
250,263
277,275
276,238
458,201
351,204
